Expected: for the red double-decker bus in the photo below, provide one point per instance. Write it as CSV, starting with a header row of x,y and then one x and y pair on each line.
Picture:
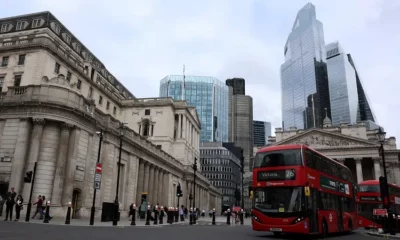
x,y
369,198
298,190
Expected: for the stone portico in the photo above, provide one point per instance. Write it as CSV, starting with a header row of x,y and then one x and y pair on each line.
x,y
354,145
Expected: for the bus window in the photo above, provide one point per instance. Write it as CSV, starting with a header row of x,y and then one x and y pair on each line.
x,y
278,158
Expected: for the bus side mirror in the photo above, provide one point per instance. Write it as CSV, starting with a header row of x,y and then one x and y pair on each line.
x,y
307,191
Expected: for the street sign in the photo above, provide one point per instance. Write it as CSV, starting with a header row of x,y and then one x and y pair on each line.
x,y
379,212
97,177
99,168
97,185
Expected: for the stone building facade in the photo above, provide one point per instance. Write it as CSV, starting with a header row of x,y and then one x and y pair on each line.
x,y
55,96
354,145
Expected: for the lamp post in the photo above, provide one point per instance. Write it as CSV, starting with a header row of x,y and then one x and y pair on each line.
x,y
190,204
194,189
242,171
384,185
121,129
92,210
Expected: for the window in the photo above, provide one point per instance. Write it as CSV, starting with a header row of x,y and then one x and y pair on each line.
x,y
79,84
57,68
4,27
20,26
21,59
108,105
278,158
147,112
282,199
100,100
36,23
146,128
4,63
159,146
90,95
1,83
115,110
17,80
369,188
69,76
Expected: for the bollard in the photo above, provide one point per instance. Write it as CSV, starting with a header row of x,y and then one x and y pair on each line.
x,y
155,215
133,222
213,217
241,217
161,215
190,216
228,217
148,216
68,218
47,216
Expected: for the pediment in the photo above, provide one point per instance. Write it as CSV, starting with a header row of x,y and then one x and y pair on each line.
x,y
323,139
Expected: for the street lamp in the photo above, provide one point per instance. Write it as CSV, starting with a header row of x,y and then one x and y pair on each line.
x,y
190,205
92,210
242,171
121,129
194,189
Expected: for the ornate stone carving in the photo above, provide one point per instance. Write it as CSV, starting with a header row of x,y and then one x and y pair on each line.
x,y
159,112
39,121
324,141
135,113
376,160
66,126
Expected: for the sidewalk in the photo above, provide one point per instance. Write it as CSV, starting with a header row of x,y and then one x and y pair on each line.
x,y
387,236
222,219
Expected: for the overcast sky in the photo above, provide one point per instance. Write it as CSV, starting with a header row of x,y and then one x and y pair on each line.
x,y
140,42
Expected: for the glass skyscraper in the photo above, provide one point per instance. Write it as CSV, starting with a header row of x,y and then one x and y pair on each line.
x,y
342,85
304,81
261,133
210,97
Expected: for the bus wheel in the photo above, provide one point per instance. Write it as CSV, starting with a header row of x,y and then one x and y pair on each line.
x,y
324,229
350,226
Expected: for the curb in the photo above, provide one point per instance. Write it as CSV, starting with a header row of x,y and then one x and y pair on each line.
x,y
383,236
95,226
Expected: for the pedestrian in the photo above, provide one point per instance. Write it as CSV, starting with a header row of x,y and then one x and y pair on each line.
x,y
10,201
18,207
2,201
39,209
182,213
130,212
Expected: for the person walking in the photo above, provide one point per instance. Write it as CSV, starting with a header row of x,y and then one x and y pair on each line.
x,y
18,207
10,201
39,204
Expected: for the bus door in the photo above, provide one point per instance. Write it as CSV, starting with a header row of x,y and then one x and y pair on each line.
x,y
339,202
313,210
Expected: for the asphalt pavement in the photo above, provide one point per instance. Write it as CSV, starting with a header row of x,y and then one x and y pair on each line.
x,y
31,231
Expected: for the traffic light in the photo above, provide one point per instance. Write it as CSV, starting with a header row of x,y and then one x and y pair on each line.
x,y
179,190
28,178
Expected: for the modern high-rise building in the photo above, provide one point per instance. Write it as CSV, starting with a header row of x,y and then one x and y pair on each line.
x,y
349,102
241,119
342,85
304,81
210,97
261,132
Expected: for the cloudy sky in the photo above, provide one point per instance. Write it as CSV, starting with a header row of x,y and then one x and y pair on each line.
x,y
140,42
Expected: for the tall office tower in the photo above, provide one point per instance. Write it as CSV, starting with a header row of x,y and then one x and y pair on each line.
x,y
240,121
365,112
342,85
304,80
261,132
210,97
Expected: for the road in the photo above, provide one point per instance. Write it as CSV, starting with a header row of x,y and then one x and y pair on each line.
x,y
19,231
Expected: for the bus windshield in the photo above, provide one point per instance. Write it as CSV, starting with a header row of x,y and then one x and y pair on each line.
x,y
369,188
279,199
278,158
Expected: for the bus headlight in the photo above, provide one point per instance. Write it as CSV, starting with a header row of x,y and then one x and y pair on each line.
x,y
256,218
297,220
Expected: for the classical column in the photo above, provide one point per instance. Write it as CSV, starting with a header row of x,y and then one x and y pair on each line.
x,y
160,187
179,126
156,184
183,126
377,167
58,181
140,180
146,179
36,139
69,176
359,170
18,163
151,185
166,188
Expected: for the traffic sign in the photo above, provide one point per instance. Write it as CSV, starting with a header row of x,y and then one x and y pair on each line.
x,y
97,185
379,212
97,177
99,168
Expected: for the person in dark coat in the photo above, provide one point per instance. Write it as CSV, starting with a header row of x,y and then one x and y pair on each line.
x,y
18,206
10,201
